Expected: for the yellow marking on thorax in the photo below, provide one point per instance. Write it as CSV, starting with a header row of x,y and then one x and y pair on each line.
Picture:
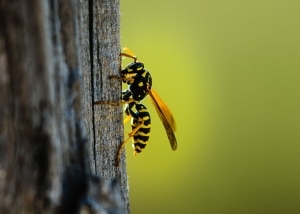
x,y
144,74
143,110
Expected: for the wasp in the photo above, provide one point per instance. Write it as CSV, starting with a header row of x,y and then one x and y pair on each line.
x,y
139,83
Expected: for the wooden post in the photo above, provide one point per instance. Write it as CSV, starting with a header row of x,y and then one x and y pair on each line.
x,y
44,166
100,28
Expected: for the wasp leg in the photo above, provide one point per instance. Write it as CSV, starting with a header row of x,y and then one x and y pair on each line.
x,y
130,135
120,103
124,79
127,118
115,77
99,102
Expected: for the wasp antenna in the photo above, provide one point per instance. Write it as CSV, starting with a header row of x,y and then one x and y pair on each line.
x,y
129,56
129,53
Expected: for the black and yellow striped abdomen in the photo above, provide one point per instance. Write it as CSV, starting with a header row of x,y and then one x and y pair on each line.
x,y
142,122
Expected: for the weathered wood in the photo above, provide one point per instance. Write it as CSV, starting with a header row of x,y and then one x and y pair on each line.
x,y
30,138
100,54
43,161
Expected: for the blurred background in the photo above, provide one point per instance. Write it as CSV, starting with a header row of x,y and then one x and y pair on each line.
x,y
230,72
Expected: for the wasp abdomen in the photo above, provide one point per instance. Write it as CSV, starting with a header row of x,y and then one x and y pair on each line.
x,y
141,120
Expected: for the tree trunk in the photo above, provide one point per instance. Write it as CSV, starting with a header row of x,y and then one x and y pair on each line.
x,y
44,166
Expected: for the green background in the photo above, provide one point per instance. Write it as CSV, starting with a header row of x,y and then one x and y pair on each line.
x,y
230,72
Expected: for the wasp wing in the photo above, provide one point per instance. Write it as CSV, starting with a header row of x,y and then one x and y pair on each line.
x,y
159,103
166,117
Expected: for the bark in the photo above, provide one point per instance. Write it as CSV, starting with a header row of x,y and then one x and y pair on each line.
x,y
44,166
